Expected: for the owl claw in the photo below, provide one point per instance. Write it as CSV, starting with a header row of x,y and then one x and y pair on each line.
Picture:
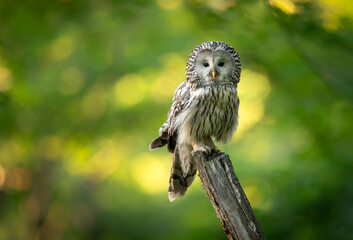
x,y
215,150
202,148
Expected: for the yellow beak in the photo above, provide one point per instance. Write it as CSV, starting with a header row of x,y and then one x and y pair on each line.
x,y
213,73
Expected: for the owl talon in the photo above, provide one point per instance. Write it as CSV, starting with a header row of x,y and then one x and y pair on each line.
x,y
215,150
202,148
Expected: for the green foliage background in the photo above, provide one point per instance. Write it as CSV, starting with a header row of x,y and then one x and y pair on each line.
x,y
85,85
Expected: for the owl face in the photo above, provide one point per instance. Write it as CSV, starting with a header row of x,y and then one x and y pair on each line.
x,y
213,62
214,66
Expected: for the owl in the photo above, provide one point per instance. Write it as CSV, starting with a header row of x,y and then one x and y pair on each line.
x,y
204,109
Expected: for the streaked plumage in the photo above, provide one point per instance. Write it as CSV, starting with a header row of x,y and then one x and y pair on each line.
x,y
205,106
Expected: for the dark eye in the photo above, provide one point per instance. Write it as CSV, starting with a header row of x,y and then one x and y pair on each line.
x,y
206,64
221,64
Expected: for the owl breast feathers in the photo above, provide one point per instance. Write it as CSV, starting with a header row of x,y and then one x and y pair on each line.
x,y
205,107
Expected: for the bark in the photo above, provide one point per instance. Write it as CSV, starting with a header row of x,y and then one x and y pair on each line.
x,y
227,196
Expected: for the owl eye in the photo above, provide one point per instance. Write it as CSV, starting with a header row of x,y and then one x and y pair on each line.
x,y
206,64
221,64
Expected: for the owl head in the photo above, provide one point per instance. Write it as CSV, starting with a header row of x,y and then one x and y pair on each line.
x,y
213,62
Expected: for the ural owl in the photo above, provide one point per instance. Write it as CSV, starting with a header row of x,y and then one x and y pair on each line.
x,y
205,106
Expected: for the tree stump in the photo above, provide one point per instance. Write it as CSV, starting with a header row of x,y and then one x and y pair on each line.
x,y
227,196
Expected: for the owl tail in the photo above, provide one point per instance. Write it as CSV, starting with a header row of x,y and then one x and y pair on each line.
x,y
183,172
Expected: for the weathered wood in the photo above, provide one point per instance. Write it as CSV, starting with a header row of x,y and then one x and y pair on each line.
x,y
227,196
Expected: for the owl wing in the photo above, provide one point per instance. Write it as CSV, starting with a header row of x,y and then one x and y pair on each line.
x,y
168,131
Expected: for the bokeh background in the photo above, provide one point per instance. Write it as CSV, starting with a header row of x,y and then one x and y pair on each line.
x,y
85,85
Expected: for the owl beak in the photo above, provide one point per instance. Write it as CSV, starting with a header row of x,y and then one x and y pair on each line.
x,y
213,73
